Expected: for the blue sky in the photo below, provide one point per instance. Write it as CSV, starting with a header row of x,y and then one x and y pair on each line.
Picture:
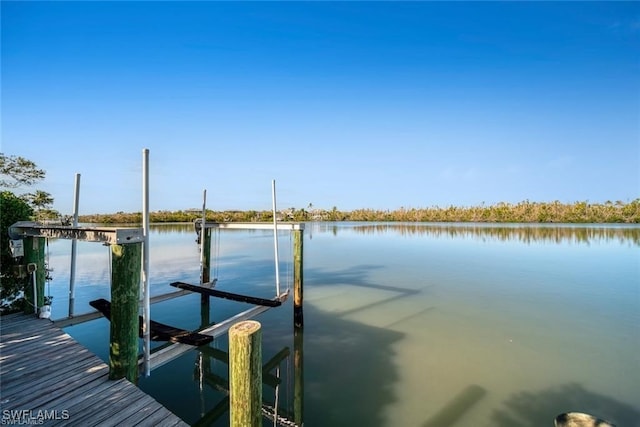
x,y
349,104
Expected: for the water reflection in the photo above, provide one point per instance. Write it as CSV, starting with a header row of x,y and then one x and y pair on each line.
x,y
359,276
331,367
206,372
503,232
276,380
350,372
171,228
525,233
430,328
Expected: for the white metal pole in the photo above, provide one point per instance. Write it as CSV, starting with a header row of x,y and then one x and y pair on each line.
x,y
202,232
35,291
145,263
276,398
74,247
275,236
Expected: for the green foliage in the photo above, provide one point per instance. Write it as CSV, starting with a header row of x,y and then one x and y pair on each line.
x,y
17,171
12,210
523,212
41,202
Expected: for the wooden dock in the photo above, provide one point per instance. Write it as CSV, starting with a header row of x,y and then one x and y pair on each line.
x,y
47,378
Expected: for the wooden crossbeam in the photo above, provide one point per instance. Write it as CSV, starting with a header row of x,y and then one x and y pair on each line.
x,y
228,295
159,331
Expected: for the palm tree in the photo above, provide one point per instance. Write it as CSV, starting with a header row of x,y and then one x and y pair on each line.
x,y
41,202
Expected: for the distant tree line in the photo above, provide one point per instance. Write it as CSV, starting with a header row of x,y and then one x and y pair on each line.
x,y
522,212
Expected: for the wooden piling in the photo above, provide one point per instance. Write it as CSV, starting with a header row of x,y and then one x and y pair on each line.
x,y
34,254
245,374
298,278
125,295
205,309
206,259
206,262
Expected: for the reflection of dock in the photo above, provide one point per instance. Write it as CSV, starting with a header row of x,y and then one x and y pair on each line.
x,y
271,410
48,378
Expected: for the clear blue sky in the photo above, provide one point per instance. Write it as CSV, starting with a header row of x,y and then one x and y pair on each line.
x,y
349,104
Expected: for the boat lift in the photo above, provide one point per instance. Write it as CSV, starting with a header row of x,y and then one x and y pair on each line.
x,y
182,340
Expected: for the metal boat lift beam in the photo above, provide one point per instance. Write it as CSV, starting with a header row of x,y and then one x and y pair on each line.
x,y
282,226
108,235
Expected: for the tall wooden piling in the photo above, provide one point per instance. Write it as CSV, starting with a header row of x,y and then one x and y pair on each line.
x,y
205,310
298,278
245,374
125,295
34,254
205,241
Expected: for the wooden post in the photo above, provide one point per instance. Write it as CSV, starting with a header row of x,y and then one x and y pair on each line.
x,y
245,374
298,278
206,262
125,296
205,308
34,254
298,376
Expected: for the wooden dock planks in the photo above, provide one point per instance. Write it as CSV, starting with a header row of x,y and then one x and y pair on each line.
x,y
43,369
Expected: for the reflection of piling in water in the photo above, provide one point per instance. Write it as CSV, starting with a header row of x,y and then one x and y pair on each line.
x,y
275,360
298,376
213,414
205,309
267,377
455,409
221,384
270,411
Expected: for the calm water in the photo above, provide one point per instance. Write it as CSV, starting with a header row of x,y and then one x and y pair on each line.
x,y
405,324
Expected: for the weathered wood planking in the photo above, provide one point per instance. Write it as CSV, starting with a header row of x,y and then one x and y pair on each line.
x,y
43,369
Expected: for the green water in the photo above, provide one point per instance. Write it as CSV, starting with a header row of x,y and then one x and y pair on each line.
x,y
406,324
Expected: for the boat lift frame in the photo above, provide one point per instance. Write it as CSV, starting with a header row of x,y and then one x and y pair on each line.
x,y
131,235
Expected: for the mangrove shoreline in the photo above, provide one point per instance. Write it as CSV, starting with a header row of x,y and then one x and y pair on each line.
x,y
522,212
